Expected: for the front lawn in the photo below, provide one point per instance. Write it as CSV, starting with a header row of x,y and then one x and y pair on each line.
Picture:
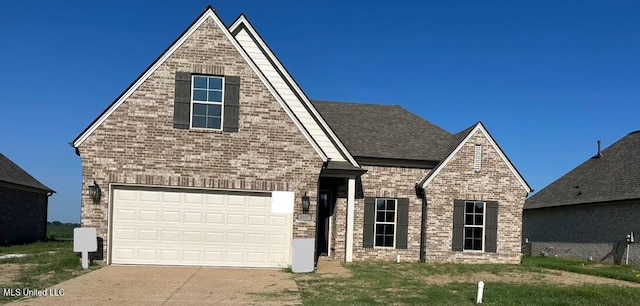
x,y
626,273
422,284
43,265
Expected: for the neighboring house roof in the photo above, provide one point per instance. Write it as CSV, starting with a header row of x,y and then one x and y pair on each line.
x,y
612,176
384,131
13,174
459,140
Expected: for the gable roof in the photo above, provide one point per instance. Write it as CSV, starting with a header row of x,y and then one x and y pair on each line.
x,y
384,131
13,174
613,176
208,13
459,140
289,90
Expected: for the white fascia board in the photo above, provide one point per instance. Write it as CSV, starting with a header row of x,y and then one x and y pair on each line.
x,y
269,54
208,14
478,127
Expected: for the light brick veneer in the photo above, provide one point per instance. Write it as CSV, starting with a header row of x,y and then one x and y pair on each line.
x,y
137,144
383,182
458,180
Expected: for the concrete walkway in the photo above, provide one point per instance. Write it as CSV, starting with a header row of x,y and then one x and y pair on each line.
x,y
125,285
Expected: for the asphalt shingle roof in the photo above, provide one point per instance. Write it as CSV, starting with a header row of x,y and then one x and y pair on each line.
x,y
384,131
611,177
12,173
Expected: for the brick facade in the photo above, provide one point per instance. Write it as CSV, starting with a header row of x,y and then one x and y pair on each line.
x,y
584,231
23,215
137,143
458,180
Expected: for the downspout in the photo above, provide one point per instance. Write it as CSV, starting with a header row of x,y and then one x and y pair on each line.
x,y
423,220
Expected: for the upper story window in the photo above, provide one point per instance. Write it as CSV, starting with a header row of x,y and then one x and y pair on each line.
x,y
385,229
474,225
207,102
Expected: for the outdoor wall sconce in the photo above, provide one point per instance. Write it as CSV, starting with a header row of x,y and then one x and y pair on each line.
x,y
94,192
306,202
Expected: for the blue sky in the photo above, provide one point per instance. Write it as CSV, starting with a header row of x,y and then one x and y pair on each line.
x,y
547,78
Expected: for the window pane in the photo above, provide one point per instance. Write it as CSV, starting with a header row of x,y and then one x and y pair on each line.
x,y
468,232
388,241
388,229
215,83
469,207
380,204
477,245
468,219
214,110
479,207
477,233
199,121
199,109
199,95
390,217
478,220
391,204
380,216
379,240
468,244
215,96
213,123
379,229
199,82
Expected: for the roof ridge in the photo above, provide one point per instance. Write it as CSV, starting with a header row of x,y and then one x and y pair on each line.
x,y
355,103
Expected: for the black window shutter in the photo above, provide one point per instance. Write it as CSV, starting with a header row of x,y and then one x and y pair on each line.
x,y
402,224
458,225
369,222
491,227
231,104
182,101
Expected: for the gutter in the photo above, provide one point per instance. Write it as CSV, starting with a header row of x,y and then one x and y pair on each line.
x,y
420,193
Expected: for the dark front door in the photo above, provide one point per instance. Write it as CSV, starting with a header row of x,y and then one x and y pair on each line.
x,y
325,210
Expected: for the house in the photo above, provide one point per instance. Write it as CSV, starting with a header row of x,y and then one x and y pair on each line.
x,y
23,205
587,213
215,156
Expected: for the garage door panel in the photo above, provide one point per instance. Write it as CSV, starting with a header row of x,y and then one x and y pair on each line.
x,y
189,228
170,216
192,217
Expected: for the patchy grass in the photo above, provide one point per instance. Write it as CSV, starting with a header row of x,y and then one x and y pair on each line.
x,y
420,284
46,264
626,273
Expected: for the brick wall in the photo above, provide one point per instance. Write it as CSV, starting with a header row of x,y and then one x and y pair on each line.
x,y
458,180
382,182
23,215
583,231
137,144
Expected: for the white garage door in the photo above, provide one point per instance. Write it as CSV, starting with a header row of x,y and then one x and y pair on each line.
x,y
198,228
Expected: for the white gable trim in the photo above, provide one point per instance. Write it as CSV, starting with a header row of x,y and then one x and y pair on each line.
x,y
242,20
209,13
478,127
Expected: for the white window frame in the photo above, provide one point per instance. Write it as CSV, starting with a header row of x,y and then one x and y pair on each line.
x,y
207,102
394,223
484,222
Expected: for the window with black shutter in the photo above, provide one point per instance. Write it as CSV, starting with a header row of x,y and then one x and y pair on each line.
x,y
386,223
206,102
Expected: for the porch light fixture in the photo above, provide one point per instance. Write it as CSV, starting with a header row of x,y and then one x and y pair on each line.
x,y
94,192
306,202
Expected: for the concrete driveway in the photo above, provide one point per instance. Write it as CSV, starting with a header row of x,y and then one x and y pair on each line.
x,y
127,285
